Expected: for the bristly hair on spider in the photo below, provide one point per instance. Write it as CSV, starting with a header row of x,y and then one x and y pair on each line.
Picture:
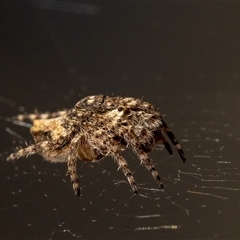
x,y
99,126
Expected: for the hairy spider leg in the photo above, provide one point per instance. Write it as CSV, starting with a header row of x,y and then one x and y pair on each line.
x,y
72,165
173,140
122,164
144,159
36,115
148,163
113,147
27,151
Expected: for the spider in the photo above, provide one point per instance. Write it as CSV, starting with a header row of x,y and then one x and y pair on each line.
x,y
99,126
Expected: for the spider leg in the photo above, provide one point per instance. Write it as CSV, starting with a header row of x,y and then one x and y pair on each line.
x,y
27,151
36,115
147,162
142,155
72,165
122,164
166,144
105,143
173,140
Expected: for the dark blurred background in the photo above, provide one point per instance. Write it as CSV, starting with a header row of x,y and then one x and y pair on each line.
x,y
182,56
138,48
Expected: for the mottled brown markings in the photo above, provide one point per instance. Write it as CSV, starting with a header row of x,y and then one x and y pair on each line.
x,y
99,126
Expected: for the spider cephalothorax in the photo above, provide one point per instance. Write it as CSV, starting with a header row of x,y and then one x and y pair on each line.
x,y
99,126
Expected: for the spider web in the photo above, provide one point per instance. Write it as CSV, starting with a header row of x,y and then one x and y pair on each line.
x,y
200,200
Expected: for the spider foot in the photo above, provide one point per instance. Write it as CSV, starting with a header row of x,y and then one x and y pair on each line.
x,y
76,188
11,157
182,155
132,182
157,177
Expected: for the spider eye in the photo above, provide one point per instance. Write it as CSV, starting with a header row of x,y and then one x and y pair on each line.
x,y
120,109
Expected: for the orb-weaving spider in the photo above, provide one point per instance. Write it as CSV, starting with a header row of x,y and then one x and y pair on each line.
x,y
99,126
